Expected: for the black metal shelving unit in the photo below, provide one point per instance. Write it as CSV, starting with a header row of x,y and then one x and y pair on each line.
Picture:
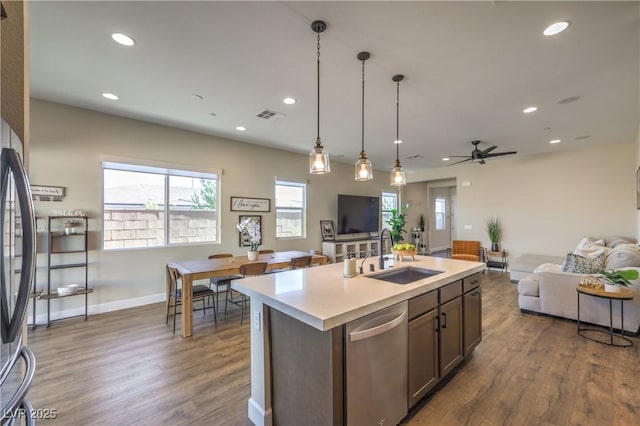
x,y
61,242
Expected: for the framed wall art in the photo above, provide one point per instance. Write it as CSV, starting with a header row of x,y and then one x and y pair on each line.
x,y
245,204
328,232
251,236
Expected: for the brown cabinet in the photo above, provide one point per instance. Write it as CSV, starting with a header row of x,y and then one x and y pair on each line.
x,y
423,355
451,350
472,302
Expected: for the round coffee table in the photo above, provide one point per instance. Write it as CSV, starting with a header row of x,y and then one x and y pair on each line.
x,y
614,339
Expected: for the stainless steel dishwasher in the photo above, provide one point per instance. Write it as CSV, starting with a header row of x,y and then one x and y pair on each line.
x,y
376,367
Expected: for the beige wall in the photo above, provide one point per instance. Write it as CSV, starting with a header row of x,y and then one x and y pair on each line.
x,y
68,145
14,84
547,202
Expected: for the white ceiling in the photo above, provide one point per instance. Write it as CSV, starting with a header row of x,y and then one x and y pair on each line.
x,y
470,68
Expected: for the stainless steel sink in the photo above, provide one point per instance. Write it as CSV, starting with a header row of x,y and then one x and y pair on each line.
x,y
405,275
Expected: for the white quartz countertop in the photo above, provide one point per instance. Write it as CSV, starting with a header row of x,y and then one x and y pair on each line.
x,y
320,297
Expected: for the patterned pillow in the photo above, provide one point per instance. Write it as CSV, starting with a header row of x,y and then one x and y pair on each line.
x,y
583,265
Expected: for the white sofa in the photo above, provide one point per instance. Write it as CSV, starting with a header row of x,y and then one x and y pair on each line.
x,y
549,290
554,293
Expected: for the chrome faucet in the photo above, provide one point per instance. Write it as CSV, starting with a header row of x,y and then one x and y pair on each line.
x,y
381,263
363,260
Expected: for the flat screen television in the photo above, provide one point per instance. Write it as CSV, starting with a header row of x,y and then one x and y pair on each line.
x,y
358,214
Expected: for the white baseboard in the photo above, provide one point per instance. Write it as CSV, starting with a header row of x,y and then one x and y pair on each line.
x,y
257,415
98,309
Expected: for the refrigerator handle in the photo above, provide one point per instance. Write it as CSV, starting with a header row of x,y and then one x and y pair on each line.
x,y
11,407
10,163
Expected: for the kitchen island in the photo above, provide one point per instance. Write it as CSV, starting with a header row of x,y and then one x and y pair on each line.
x,y
299,319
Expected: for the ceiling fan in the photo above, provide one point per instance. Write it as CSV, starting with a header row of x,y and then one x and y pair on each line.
x,y
478,156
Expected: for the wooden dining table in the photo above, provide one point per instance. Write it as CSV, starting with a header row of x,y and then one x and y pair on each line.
x,y
201,269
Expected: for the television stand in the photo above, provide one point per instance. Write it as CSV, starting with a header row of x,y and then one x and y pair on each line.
x,y
337,251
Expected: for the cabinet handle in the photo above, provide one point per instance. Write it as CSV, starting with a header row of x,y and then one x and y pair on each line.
x,y
444,320
437,323
475,293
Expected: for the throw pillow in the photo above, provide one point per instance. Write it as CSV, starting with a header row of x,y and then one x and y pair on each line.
x,y
623,255
614,242
583,265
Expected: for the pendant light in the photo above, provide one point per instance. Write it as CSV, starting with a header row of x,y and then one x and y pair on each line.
x,y
364,169
318,157
398,177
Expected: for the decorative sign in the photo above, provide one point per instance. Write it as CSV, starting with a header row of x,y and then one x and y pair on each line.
x,y
47,193
244,204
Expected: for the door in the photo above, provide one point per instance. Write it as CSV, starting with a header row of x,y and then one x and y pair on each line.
x,y
472,320
450,335
440,219
423,355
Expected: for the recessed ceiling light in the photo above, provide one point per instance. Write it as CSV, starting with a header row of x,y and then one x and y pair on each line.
x,y
555,141
241,128
289,101
196,97
555,28
446,159
530,109
110,96
397,142
123,39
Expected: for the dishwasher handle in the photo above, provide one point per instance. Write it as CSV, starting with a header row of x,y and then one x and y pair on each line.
x,y
374,331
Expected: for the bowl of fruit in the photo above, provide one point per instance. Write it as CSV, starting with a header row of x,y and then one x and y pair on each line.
x,y
401,250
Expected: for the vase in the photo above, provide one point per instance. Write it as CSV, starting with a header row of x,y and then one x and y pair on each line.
x,y
494,247
252,254
612,288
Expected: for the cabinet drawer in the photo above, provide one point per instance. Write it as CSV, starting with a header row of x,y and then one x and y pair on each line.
x,y
423,303
450,291
471,282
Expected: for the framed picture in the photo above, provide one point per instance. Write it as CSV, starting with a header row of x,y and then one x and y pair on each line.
x,y
326,227
245,204
244,238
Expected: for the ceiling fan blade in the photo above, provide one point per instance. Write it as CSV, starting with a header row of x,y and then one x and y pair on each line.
x,y
460,156
488,150
458,162
498,154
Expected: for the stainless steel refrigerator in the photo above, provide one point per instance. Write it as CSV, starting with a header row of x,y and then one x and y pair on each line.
x,y
17,243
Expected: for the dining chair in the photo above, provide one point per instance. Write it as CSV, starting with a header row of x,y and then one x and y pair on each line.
x,y
265,251
174,295
314,252
246,270
221,283
300,262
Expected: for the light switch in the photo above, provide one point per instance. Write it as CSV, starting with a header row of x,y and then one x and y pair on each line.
x,y
468,227
466,183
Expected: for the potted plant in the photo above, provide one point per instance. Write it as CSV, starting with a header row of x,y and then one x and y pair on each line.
x,y
397,223
616,278
495,232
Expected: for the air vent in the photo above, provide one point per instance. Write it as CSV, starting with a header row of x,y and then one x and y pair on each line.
x,y
267,114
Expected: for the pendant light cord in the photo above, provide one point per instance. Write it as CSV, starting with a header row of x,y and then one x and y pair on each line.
x,y
362,106
318,47
398,122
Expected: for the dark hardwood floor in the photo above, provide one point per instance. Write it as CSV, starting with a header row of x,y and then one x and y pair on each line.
x,y
127,368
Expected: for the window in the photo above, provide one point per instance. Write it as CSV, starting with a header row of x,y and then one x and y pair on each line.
x,y
440,212
290,209
389,201
153,206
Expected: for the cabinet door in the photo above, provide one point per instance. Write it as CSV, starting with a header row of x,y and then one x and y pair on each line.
x,y
450,335
423,355
472,320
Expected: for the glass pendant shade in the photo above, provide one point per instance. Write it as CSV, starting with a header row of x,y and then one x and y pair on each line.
x,y
319,160
364,169
398,176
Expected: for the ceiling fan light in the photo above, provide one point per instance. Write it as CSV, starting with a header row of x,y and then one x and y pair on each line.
x,y
319,160
363,169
